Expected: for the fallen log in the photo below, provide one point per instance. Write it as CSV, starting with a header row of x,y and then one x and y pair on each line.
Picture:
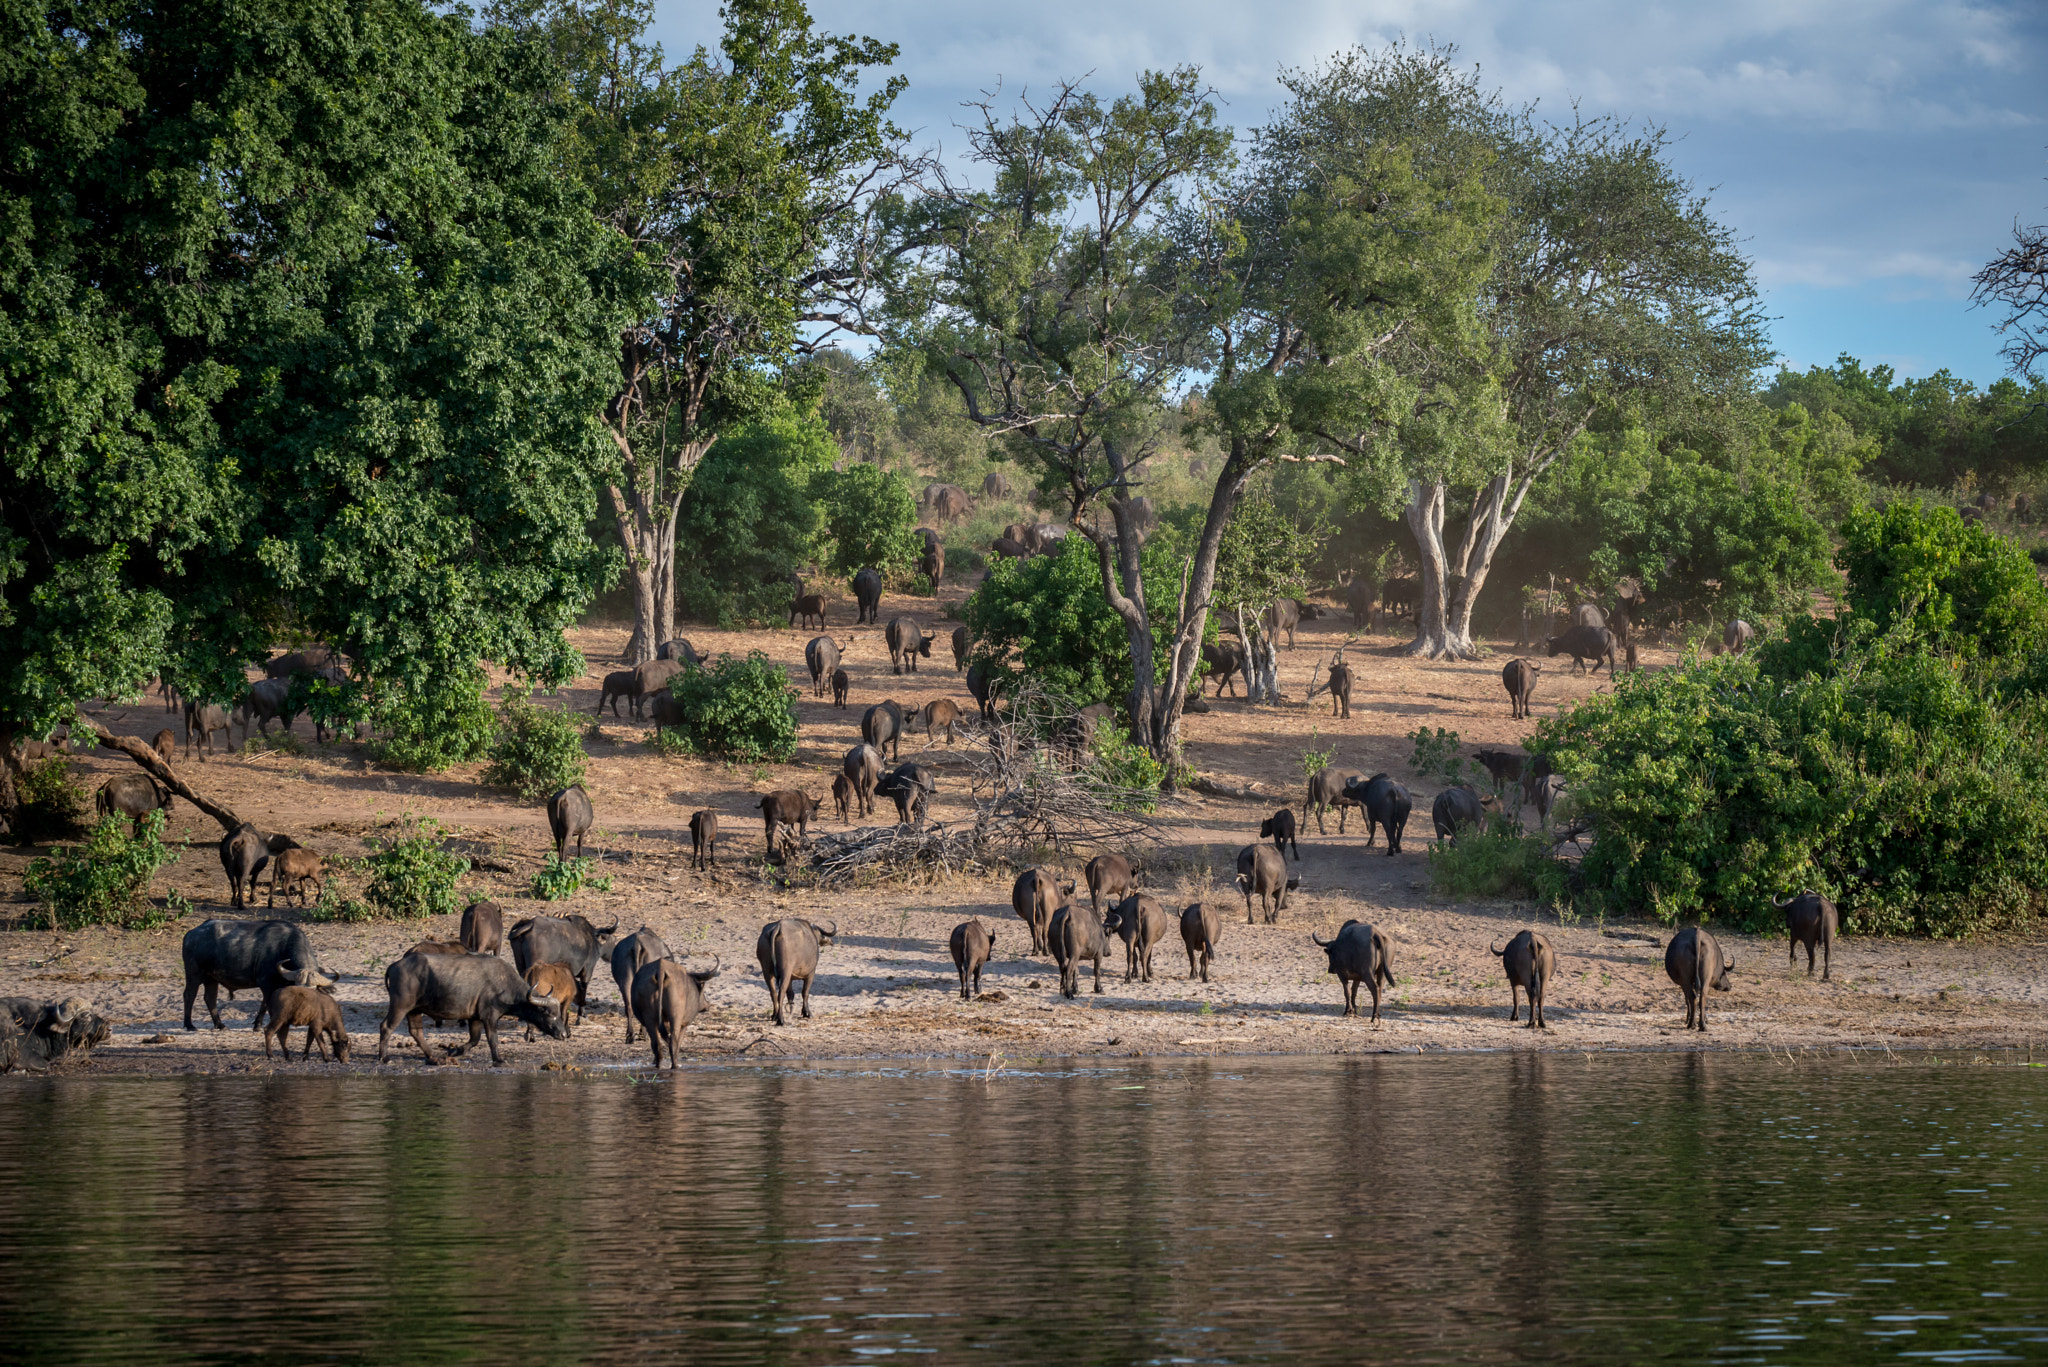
x,y
151,761
1215,789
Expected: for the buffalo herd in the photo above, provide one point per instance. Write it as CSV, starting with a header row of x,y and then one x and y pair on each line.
x,y
468,982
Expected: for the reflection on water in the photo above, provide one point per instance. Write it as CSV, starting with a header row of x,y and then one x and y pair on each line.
x,y
1509,1207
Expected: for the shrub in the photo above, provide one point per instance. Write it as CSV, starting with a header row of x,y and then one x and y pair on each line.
x,y
559,879
1964,588
1119,763
104,881
411,876
741,710
1895,783
870,517
53,804
428,729
1498,861
335,905
539,751
1436,754
750,518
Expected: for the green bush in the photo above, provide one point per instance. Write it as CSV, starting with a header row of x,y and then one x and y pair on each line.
x,y
871,518
411,876
428,729
750,519
1893,781
1436,754
740,710
1118,763
53,804
1965,589
539,751
1497,862
335,905
559,879
106,880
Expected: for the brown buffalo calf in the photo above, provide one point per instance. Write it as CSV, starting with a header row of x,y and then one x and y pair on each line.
x,y
703,839
312,1008
972,944
554,980
294,869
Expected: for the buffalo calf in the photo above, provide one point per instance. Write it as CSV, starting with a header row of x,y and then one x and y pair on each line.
x,y
483,928
972,944
1811,920
1200,930
312,1008
1279,828
703,839
1530,964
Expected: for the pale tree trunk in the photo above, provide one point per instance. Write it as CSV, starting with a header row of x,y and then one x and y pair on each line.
x,y
1261,659
645,509
1438,634
1494,509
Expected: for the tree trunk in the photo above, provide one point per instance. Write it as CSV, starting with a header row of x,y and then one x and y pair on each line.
x,y
645,510
1438,634
150,760
10,775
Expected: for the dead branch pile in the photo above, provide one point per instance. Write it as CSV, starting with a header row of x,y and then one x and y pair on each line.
x,y
1034,787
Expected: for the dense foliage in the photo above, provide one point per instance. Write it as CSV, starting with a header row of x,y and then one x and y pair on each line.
x,y
870,517
1962,588
300,328
104,881
410,876
539,750
1937,432
738,709
751,519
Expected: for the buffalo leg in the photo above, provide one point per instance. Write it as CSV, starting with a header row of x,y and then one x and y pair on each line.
x,y
1827,953
1514,999
1098,975
412,1023
213,1005
287,1046
490,1033
1372,985
807,998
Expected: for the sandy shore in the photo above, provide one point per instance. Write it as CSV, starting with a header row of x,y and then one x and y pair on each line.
x,y
887,986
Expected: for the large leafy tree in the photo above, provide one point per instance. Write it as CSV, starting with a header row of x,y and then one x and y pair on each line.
x,y
745,181
298,333
1612,287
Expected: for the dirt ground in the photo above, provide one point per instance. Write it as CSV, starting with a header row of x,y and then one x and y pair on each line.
x,y
886,986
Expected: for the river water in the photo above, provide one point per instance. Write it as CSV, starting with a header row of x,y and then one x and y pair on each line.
x,y
1552,1208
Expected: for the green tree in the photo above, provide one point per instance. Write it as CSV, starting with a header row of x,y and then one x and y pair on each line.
x,y
1266,554
871,518
1964,589
751,519
743,180
301,332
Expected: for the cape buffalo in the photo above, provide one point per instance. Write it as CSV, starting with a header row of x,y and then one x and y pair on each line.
x,y
483,928
961,642
570,814
235,955
788,954
1262,872
841,686
1201,929
867,595
703,839
1386,806
907,640
1108,874
1458,808
1141,923
788,808
1736,637
1530,964
631,954
244,852
1585,643
1036,896
821,657
665,998
882,726
571,941
1225,659
1519,677
972,944
1812,921
1076,935
477,989
1329,788
1358,954
133,796
1340,690
809,606
1695,962
289,1006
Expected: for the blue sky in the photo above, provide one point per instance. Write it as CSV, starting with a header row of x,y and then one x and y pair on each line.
x,y
1871,155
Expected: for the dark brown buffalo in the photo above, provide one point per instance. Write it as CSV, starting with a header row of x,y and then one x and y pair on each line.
x,y
1285,615
1225,660
631,954
810,607
244,853
841,685
1327,789
650,679
1504,765
483,928
821,657
1589,615
205,719
1402,596
1109,876
1695,962
862,770
1519,678
788,808
1460,808
1530,964
867,596
1262,872
1141,923
1279,828
1358,955
932,565
1201,930
439,947
620,683
972,944
882,726
133,796
312,1008
1812,921
909,786
571,941
1582,644
1542,791
703,839
1075,935
844,800
982,688
235,955
477,989
1035,897
1387,806
788,954
1014,550
995,485
1359,596
570,814
684,654
665,998
165,743
1340,690
907,640
961,642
